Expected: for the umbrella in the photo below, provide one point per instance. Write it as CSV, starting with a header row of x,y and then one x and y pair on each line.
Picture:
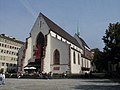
x,y
32,68
26,68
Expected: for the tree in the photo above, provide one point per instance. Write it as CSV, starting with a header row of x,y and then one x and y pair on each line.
x,y
112,43
99,60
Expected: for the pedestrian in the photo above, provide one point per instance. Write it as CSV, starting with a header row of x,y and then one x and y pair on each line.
x,y
3,79
50,75
18,75
0,78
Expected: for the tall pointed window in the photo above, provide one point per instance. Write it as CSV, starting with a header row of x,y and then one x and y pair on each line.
x,y
74,59
56,57
87,64
39,45
82,63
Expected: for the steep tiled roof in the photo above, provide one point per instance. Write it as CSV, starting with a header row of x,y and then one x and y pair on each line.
x,y
55,28
83,42
87,53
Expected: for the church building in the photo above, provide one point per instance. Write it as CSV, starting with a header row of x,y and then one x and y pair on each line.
x,y
49,48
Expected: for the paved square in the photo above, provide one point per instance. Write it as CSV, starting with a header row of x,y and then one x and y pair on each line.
x,y
60,84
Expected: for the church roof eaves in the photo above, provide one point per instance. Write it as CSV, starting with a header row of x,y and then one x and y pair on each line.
x,y
83,42
55,28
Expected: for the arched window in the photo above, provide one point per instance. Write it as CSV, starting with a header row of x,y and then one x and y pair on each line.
x,y
74,60
39,46
56,57
78,59
40,39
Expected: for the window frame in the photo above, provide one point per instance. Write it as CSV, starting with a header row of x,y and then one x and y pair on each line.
x,y
56,57
74,58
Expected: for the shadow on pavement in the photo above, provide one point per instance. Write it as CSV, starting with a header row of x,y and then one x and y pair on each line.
x,y
103,81
97,87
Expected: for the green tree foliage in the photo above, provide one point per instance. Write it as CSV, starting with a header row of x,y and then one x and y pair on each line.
x,y
99,60
112,43
111,51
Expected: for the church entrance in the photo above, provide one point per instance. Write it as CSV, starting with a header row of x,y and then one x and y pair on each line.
x,y
39,52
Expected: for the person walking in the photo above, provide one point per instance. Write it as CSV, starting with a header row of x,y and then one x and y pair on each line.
x,y
3,79
0,78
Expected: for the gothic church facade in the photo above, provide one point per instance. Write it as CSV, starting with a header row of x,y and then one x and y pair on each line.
x,y
50,49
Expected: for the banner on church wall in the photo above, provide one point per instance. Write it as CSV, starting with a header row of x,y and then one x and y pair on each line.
x,y
56,68
38,52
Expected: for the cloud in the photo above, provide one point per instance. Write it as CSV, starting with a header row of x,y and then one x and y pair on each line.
x,y
28,7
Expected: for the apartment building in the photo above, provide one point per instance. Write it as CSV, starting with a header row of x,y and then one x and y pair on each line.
x,y
9,47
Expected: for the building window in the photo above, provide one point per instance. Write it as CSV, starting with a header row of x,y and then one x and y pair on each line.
x,y
82,62
12,53
1,51
78,59
16,54
74,59
56,57
2,45
15,65
4,51
87,64
11,64
0,57
7,52
4,58
7,64
5,45
11,58
3,64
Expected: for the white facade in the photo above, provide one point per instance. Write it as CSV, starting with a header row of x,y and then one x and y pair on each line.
x,y
46,39
63,49
9,47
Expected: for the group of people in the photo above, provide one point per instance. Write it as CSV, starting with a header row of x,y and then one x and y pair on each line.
x,y
2,78
46,75
41,75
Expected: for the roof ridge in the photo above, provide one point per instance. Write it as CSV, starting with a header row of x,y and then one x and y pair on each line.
x,y
83,41
57,29
55,24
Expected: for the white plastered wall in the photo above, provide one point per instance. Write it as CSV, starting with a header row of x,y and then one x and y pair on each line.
x,y
20,57
39,26
75,68
63,49
86,63
28,51
46,66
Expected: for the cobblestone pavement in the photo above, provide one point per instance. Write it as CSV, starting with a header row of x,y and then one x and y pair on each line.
x,y
60,84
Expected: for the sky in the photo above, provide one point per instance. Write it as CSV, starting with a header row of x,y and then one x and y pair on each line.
x,y
17,17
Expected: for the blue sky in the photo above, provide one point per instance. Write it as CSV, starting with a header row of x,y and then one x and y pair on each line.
x,y
92,16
